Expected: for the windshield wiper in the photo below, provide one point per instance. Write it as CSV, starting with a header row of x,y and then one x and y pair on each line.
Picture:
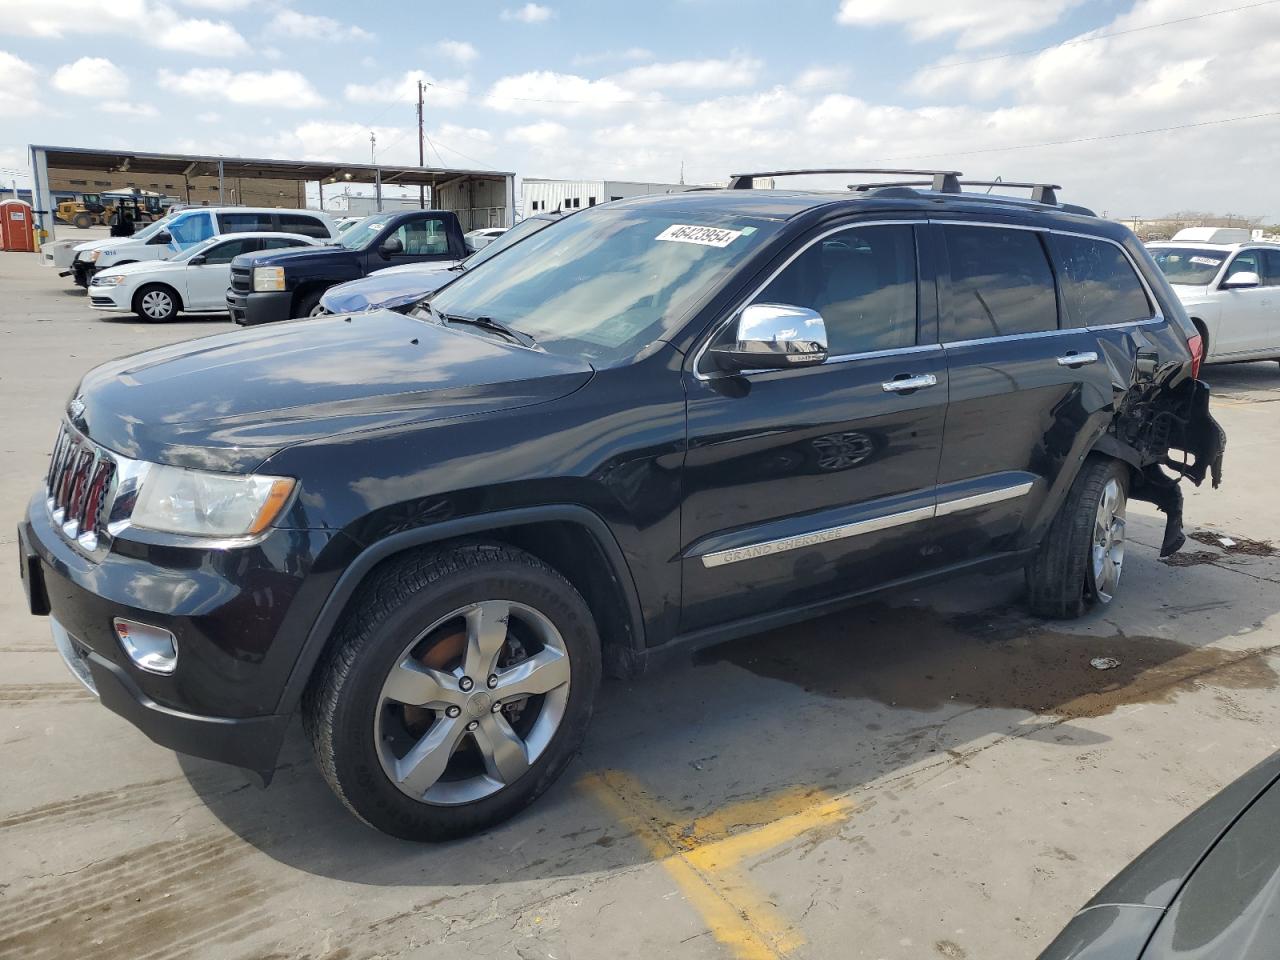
x,y
497,326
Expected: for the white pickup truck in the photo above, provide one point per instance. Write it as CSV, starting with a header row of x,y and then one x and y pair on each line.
x,y
1230,287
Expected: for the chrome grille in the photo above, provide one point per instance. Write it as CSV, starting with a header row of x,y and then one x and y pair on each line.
x,y
79,486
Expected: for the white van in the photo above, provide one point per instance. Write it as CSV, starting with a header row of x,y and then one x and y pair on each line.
x,y
180,231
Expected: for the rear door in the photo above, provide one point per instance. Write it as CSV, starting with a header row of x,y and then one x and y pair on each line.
x,y
207,282
806,484
1025,387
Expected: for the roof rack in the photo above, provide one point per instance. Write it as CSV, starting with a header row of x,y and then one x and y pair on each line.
x,y
943,181
1046,193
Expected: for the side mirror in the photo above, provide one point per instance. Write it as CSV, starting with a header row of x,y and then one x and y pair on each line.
x,y
196,261
1241,280
390,246
162,237
774,336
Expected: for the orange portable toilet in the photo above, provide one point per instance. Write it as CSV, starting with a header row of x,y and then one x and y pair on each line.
x,y
16,226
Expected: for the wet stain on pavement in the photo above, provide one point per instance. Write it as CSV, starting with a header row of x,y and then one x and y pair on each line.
x,y
912,657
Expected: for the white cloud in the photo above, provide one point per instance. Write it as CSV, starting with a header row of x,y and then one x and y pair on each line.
x,y
280,88
529,13
313,27
19,86
142,21
404,89
609,56
458,50
545,133
693,74
222,6
91,77
974,23
544,91
209,116
822,78
125,108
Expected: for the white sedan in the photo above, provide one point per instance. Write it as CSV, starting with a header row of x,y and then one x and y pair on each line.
x,y
194,281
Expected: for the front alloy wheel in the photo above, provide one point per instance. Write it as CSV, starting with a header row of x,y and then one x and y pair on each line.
x,y
459,686
472,702
1107,557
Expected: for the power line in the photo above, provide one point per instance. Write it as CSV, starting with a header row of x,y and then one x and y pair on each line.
x,y
1101,36
1071,140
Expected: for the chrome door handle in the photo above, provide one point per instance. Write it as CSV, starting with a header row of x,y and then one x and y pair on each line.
x,y
1077,359
909,383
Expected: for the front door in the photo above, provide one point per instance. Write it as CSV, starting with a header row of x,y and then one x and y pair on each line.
x,y
421,240
1024,388
207,282
806,484
1244,319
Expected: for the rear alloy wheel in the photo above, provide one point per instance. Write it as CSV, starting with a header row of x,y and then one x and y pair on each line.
x,y
1078,564
460,687
156,303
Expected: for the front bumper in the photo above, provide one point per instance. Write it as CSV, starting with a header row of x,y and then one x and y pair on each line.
x,y
107,298
240,617
251,309
83,272
249,742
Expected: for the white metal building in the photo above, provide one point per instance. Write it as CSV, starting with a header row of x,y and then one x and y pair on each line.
x,y
539,194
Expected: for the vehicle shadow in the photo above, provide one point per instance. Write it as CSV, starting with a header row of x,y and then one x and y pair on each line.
x,y
834,705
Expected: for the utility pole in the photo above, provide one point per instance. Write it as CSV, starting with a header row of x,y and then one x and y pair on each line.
x,y
373,148
422,156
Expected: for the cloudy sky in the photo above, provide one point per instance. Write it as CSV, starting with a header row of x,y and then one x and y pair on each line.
x,y
1080,92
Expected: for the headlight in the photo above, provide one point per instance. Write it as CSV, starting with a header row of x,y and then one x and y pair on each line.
x,y
104,281
92,256
199,504
268,278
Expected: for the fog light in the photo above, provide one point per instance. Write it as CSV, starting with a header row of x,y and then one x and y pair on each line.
x,y
151,648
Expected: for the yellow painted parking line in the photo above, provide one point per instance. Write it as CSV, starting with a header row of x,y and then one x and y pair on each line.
x,y
705,856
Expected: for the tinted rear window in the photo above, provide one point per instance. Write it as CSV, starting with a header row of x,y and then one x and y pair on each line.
x,y
300,223
1098,283
1000,285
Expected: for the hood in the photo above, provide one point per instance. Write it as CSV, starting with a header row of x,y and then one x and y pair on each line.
x,y
228,402
295,255
1190,294
388,289
140,266
96,244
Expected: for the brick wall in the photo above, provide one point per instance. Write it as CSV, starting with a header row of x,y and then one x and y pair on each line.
x,y
247,191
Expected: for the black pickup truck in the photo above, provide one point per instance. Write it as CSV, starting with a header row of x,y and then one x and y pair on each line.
x,y
280,286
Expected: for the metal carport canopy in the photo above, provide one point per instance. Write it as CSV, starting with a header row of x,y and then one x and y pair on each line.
x,y
196,165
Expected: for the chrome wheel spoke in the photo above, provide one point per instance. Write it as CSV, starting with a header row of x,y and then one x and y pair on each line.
x,y
486,634
504,753
543,672
418,770
421,686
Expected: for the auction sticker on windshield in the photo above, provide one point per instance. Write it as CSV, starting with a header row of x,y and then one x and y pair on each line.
x,y
705,236
1206,261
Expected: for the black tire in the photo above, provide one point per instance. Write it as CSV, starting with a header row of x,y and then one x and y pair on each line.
x,y
82,221
1060,578
307,305
148,300
341,707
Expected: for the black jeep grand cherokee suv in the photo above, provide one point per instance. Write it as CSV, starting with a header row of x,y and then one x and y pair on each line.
x,y
665,422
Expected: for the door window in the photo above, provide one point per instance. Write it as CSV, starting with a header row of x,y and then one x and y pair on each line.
x,y
1248,261
277,243
225,252
189,228
1001,283
423,238
1270,268
863,282
1098,283
303,224
243,222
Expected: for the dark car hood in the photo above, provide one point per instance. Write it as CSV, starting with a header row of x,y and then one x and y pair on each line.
x,y
228,402
387,288
282,258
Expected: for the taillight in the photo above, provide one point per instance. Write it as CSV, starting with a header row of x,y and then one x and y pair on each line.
x,y
1196,344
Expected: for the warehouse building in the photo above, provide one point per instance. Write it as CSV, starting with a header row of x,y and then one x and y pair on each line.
x,y
540,195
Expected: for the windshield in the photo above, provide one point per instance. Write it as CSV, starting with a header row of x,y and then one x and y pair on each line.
x,y
606,282
190,227
1188,265
523,229
359,236
156,227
